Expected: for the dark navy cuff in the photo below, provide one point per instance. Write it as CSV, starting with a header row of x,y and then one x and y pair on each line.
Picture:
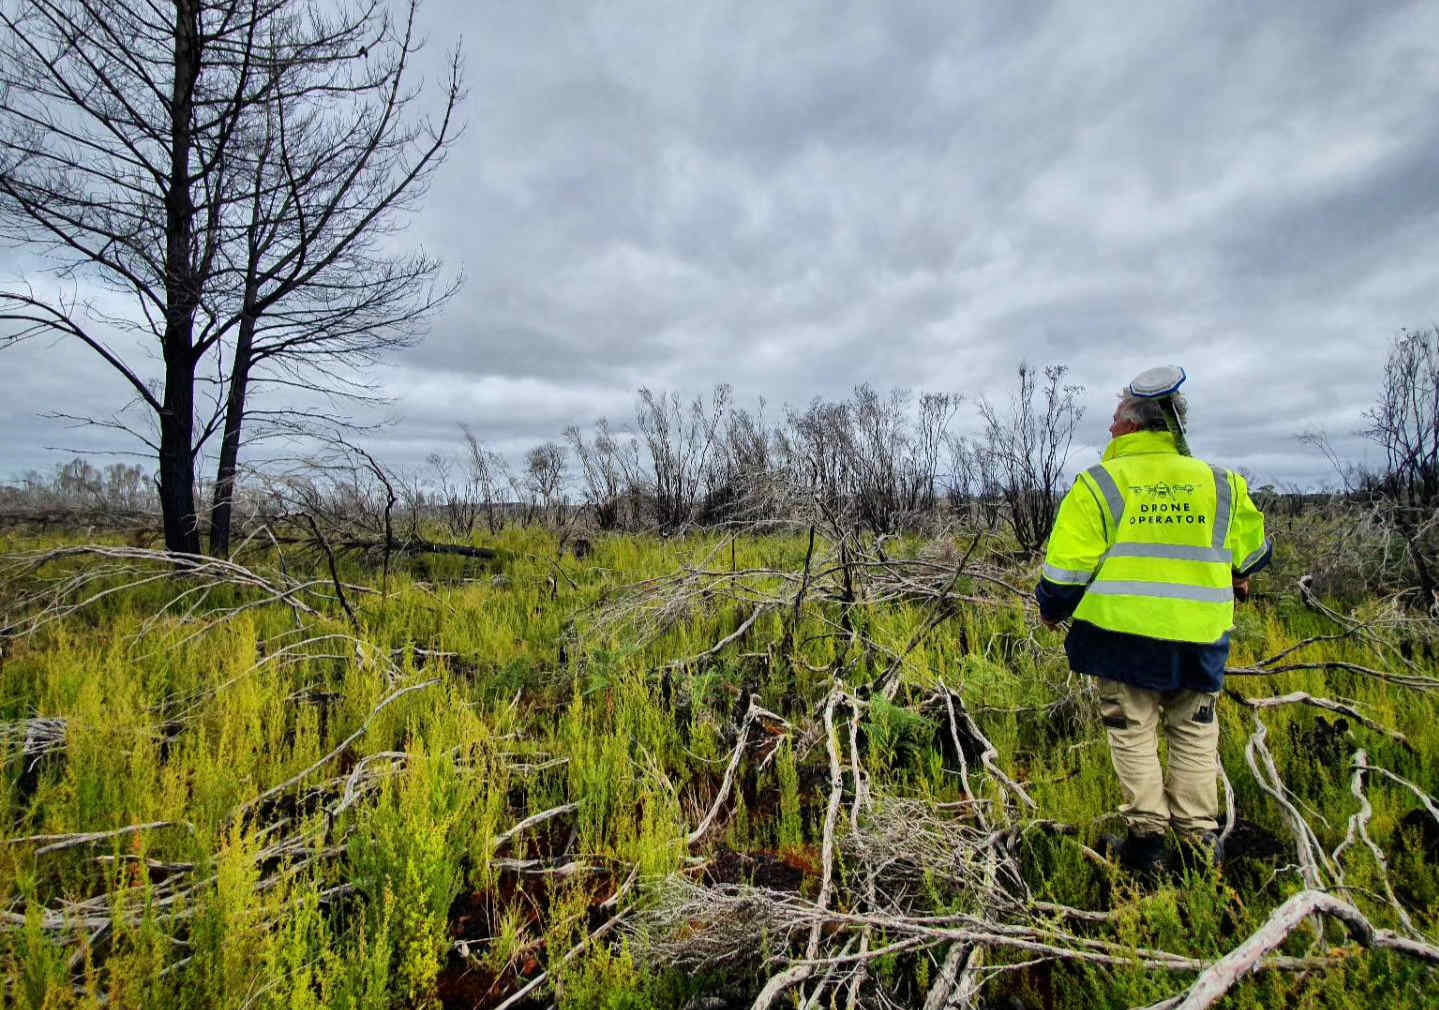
x,y
1056,600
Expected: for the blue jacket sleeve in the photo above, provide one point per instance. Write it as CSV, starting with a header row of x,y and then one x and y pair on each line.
x,y
1056,600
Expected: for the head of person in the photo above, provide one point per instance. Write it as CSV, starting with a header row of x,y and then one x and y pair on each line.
x,y
1141,413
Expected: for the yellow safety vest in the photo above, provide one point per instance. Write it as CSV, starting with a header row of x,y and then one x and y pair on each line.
x,y
1157,539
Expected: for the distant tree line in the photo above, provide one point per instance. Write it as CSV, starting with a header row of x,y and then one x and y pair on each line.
x,y
119,487
886,462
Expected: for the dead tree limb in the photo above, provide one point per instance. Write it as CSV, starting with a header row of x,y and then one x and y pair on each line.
x,y
334,572
987,758
1305,698
1314,862
534,820
295,779
607,927
753,713
1359,831
1217,979
59,843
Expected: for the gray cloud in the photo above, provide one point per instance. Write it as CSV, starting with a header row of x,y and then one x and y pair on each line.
x,y
796,198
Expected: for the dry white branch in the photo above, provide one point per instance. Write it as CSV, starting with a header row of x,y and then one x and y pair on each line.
x,y
690,924
831,820
751,714
1314,862
298,777
534,820
1217,979
1305,698
126,568
987,758
59,843
954,986
1359,830
1422,796
34,738
607,927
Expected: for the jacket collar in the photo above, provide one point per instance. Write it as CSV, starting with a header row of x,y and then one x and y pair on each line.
x,y
1140,443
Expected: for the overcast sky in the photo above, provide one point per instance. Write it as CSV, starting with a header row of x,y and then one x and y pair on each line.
x,y
798,197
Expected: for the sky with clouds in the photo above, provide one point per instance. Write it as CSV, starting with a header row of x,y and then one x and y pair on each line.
x,y
798,197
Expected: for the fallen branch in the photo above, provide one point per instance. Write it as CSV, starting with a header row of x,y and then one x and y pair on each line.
x,y
1313,861
58,843
1359,831
602,931
1422,796
1217,979
534,820
751,714
715,649
1305,698
987,758
389,699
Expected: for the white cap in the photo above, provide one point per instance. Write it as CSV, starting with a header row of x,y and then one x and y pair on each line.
x,y
1156,382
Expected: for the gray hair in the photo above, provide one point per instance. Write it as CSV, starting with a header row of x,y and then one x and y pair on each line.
x,y
1148,414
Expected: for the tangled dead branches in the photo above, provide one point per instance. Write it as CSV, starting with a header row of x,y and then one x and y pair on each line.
x,y
918,877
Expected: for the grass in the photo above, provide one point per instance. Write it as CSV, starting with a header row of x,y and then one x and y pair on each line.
x,y
537,704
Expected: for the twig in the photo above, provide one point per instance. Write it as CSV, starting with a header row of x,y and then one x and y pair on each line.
x,y
947,991
1423,797
1359,830
988,755
728,782
1229,812
797,973
603,930
334,572
1313,861
364,728
718,646
58,843
534,820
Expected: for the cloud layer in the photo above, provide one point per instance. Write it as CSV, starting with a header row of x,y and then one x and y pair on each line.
x,y
797,198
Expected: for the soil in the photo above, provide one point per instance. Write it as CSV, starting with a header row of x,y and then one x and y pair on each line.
x,y
778,871
462,983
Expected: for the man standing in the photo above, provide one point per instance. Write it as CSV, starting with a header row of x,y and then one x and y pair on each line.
x,y
1148,553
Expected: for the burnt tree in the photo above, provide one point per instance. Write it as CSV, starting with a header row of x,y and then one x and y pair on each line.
x,y
214,164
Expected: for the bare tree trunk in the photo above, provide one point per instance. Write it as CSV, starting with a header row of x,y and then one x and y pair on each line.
x,y
222,511
177,417
177,471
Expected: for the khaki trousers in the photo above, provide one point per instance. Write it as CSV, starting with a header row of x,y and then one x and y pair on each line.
x,y
1188,797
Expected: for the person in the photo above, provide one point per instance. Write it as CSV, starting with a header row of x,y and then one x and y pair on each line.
x,y
1149,550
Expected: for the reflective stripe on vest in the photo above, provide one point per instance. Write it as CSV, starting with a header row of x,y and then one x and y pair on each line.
x,y
1110,490
1161,577
1164,591
1170,552
1224,505
1067,576
1245,565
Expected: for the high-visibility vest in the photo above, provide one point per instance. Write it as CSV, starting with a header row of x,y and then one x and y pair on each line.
x,y
1157,538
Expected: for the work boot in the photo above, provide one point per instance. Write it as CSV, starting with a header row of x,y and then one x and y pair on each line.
x,y
1204,851
1141,855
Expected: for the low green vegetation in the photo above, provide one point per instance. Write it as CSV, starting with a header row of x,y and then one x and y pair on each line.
x,y
222,805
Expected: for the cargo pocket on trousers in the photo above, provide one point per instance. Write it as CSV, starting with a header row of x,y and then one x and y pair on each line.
x,y
1111,707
